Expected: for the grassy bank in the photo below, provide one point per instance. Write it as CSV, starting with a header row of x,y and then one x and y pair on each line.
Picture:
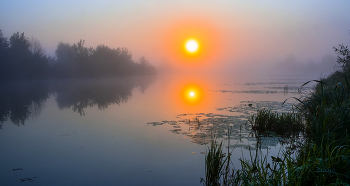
x,y
323,157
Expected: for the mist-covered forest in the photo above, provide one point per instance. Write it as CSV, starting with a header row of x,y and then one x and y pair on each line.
x,y
25,58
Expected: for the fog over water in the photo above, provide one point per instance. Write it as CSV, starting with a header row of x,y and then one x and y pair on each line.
x,y
112,93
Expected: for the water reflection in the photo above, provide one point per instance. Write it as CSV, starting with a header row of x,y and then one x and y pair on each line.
x,y
81,94
201,127
22,100
192,94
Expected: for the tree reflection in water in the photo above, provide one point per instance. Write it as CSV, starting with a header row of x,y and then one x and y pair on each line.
x,y
21,100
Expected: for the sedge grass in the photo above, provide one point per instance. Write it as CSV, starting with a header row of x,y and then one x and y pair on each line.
x,y
322,159
216,165
283,124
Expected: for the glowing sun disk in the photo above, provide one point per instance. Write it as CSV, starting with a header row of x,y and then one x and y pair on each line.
x,y
192,94
192,45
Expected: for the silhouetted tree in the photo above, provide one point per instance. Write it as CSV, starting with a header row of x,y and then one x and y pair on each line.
x,y
39,62
4,45
36,48
4,56
61,65
145,68
109,62
343,59
80,57
19,43
21,59
104,61
19,55
62,52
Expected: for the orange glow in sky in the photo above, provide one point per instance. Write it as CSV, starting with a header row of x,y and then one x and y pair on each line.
x,y
191,43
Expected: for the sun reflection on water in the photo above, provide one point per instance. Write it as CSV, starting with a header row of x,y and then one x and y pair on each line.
x,y
192,94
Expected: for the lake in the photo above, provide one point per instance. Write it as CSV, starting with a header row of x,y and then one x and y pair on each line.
x,y
131,131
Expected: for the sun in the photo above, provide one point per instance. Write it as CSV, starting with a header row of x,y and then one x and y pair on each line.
x,y
191,93
192,46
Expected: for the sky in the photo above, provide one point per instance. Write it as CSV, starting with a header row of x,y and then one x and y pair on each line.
x,y
235,36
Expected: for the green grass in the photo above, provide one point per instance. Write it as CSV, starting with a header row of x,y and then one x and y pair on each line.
x,y
323,158
284,124
216,166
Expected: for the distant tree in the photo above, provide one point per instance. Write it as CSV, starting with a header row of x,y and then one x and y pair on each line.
x,y
343,59
19,55
19,43
112,62
4,57
36,48
79,53
21,58
80,57
124,65
78,61
27,60
145,67
61,65
51,60
62,52
4,45
39,62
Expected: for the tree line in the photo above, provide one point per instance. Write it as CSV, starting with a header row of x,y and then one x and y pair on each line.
x,y
24,58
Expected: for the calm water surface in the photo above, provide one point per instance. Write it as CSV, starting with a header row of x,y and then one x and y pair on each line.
x,y
129,131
